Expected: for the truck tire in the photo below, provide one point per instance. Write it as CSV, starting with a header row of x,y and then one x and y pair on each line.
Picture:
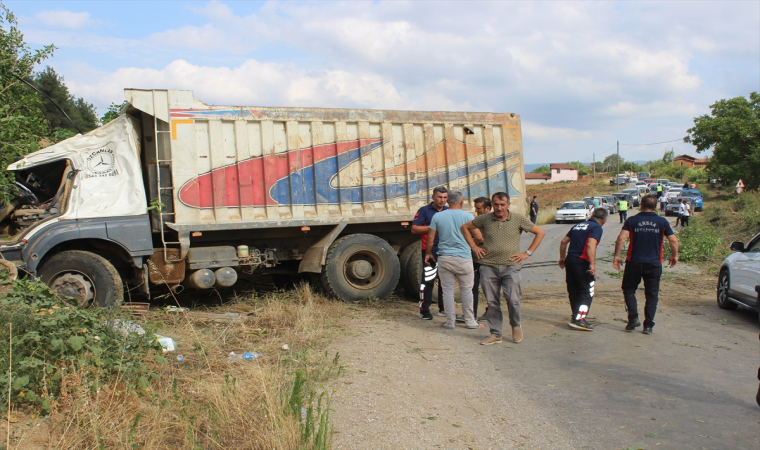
x,y
360,266
411,271
89,279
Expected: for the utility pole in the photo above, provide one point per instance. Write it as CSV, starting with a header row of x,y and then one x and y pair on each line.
x,y
618,161
593,164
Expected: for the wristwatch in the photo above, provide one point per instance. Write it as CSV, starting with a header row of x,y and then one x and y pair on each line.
x,y
530,253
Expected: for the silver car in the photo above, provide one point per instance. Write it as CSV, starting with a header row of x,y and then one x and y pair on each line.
x,y
740,276
573,211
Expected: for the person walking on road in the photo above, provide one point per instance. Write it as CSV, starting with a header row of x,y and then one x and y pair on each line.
x,y
663,202
623,209
684,211
421,225
534,209
501,261
659,192
595,202
454,259
579,262
647,232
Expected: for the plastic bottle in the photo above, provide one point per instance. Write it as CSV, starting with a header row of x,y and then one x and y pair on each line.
x,y
180,358
248,356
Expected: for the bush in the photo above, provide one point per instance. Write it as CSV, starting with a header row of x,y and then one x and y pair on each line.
x,y
698,242
55,346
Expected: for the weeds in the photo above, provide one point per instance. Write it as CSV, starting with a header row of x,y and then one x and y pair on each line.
x,y
206,402
698,242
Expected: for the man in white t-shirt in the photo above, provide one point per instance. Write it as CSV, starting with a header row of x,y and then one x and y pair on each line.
x,y
663,201
684,211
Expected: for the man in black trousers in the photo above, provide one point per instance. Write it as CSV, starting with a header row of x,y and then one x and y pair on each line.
x,y
421,225
579,262
647,232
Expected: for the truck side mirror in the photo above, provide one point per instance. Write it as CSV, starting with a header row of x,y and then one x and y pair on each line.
x,y
737,246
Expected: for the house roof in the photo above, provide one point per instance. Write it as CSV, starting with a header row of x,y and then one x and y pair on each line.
x,y
537,176
685,158
562,166
703,160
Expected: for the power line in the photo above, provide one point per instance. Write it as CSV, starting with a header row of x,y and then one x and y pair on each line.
x,y
657,143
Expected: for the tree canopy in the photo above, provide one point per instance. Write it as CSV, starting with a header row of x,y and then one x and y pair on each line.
x,y
732,131
81,112
22,123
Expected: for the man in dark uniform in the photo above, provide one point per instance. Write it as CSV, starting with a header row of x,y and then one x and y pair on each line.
x,y
534,209
647,232
421,225
580,265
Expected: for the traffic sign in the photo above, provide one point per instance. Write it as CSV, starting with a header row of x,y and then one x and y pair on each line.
x,y
739,187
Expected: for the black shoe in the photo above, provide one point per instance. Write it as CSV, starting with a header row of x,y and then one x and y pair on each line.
x,y
460,319
581,325
632,324
428,317
647,330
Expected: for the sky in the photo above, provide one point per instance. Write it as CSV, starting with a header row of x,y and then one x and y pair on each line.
x,y
582,75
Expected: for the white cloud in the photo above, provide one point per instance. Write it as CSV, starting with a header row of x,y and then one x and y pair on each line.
x,y
63,19
252,83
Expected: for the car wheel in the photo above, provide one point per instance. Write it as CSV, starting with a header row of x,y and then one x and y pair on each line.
x,y
724,286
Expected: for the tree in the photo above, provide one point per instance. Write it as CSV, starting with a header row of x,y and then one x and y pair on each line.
x,y
611,162
81,112
669,156
113,112
22,123
732,131
541,169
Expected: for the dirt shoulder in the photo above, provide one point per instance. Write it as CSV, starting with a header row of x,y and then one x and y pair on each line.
x,y
412,384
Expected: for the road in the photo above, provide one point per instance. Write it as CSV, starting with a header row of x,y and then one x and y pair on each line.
x,y
690,385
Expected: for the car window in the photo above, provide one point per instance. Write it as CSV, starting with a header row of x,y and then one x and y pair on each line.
x,y
754,247
573,205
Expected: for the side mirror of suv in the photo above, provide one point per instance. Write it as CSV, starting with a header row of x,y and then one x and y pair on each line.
x,y
737,246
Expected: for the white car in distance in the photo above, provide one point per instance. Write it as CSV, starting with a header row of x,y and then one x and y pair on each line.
x,y
572,212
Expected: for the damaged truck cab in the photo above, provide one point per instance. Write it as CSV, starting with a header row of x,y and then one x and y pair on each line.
x,y
181,194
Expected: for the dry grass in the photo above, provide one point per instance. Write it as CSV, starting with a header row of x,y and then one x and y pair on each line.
x,y
205,402
545,216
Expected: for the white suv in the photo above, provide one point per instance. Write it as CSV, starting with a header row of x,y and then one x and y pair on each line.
x,y
740,275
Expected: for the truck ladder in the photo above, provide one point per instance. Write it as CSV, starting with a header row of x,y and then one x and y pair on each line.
x,y
160,188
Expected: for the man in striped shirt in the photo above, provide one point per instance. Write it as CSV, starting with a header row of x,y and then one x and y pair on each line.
x,y
647,233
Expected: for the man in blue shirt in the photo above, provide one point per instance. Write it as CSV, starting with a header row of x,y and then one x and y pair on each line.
x,y
647,232
580,265
421,225
454,259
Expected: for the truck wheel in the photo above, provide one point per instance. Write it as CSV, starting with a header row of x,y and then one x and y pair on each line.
x,y
724,285
411,270
360,266
89,279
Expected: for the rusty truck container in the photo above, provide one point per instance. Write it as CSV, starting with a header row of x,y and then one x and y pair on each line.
x,y
267,167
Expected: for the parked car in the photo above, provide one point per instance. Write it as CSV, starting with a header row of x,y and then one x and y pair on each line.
x,y
642,190
739,274
641,183
633,180
611,202
675,184
626,197
649,181
674,191
572,211
643,175
673,205
663,181
635,196
602,202
695,196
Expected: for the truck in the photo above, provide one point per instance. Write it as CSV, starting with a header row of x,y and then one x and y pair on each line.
x,y
178,194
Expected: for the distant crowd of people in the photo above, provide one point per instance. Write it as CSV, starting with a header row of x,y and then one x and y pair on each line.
x,y
484,250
